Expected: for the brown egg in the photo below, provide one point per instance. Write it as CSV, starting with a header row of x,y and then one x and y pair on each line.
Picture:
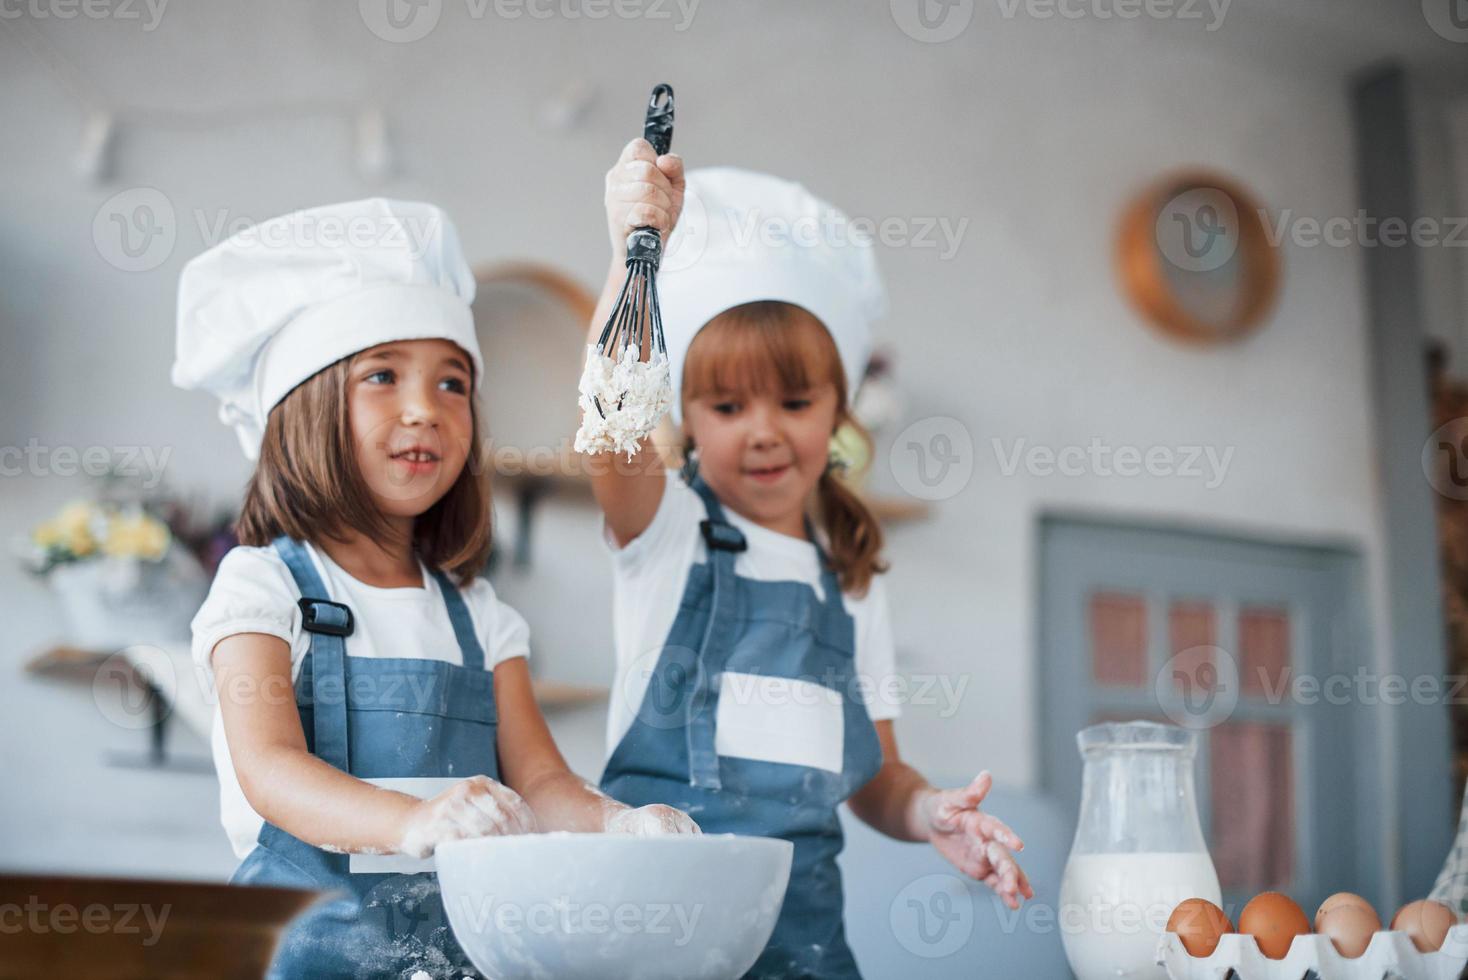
x,y
1274,920
1350,927
1342,898
1426,922
1199,924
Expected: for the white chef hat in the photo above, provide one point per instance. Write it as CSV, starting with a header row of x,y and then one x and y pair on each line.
x,y
270,306
746,236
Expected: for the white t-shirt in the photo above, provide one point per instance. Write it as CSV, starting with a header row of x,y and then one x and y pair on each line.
x,y
253,592
651,572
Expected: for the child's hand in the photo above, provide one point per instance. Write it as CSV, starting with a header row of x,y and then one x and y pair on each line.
x,y
654,820
974,842
475,807
642,190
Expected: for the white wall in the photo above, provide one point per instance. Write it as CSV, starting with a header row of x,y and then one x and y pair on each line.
x,y
1034,132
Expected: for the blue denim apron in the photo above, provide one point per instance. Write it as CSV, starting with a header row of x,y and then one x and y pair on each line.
x,y
774,630
376,718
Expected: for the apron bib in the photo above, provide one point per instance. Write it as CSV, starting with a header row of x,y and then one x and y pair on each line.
x,y
409,724
750,723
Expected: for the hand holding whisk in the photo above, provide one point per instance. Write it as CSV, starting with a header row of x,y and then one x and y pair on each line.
x,y
623,395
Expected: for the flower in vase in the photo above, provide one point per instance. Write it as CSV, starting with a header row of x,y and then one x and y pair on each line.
x,y
136,535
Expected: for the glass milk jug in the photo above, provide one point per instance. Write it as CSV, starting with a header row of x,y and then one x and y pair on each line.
x,y
1138,850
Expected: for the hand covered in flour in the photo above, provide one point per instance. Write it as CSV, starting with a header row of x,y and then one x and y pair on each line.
x,y
975,842
642,190
653,820
474,807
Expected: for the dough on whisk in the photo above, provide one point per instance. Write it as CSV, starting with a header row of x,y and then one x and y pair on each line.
x,y
622,400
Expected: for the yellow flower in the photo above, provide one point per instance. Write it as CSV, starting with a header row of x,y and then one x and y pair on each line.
x,y
148,537
76,516
155,539
46,535
136,536
79,542
116,541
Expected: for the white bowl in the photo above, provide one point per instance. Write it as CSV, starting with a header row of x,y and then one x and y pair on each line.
x,y
571,906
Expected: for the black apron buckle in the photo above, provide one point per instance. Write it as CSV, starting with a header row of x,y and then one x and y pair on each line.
x,y
325,616
724,537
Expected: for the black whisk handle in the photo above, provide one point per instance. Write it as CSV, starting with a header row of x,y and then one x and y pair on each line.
x,y
658,128
645,245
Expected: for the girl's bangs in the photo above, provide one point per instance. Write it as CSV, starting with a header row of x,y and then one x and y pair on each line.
x,y
762,348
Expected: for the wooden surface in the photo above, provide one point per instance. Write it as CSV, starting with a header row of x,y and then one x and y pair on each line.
x,y
67,663
121,928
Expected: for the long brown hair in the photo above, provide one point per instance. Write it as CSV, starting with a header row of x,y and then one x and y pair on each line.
x,y
768,347
307,484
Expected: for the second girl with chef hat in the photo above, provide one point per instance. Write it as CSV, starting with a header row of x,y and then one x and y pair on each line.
x,y
374,700
746,633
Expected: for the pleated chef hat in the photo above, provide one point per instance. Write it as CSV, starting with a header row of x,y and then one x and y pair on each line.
x,y
746,236
270,306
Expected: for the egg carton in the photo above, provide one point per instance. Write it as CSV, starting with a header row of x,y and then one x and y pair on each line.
x,y
1389,956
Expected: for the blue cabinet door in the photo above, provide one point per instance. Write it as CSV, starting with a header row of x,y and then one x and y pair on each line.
x,y
1257,646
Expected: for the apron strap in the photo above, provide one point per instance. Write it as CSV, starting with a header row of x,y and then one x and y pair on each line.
x,y
329,623
724,540
830,584
715,511
469,646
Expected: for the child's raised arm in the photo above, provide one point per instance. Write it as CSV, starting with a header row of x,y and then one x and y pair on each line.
x,y
642,190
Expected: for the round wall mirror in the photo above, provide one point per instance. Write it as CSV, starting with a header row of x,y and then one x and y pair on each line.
x,y
531,321
1194,256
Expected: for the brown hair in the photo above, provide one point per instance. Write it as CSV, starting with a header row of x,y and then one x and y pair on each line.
x,y
770,346
307,484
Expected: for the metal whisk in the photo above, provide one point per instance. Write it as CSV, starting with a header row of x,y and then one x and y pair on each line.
x,y
636,316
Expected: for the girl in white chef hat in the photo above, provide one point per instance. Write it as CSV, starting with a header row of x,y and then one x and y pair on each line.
x,y
373,695
751,618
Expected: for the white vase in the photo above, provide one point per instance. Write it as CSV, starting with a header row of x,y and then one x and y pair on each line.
x,y
111,603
